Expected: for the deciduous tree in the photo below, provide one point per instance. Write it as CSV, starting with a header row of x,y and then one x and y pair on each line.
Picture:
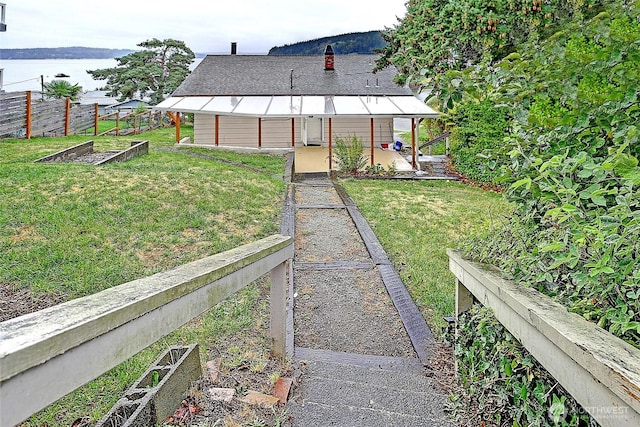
x,y
436,36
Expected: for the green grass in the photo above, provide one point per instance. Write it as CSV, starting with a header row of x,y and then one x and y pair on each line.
x,y
73,230
416,221
70,229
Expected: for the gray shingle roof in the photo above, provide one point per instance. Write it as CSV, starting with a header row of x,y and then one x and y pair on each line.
x,y
247,75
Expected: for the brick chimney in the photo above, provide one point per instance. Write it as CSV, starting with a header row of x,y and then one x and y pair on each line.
x,y
328,58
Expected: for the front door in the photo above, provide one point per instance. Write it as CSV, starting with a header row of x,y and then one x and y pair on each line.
x,y
314,131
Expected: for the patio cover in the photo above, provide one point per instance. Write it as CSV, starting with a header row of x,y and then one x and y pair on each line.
x,y
301,106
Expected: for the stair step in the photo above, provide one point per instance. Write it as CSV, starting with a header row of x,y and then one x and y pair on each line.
x,y
354,395
316,414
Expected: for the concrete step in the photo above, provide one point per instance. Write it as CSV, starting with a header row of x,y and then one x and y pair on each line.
x,y
353,395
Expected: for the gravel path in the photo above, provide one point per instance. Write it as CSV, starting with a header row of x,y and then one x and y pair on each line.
x,y
340,303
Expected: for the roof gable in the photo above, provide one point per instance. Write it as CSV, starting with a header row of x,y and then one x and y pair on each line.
x,y
251,75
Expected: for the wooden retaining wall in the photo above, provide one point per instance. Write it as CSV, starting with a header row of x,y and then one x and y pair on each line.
x,y
138,148
601,371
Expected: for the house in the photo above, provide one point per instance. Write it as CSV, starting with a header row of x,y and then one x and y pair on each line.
x,y
126,107
296,102
99,97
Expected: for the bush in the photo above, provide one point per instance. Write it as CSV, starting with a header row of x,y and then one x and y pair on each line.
x,y
573,177
349,154
503,385
476,139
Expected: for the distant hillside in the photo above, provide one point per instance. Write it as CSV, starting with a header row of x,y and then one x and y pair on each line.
x,y
75,52
365,43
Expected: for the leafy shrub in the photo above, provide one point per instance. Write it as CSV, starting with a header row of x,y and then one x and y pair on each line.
x,y
573,176
479,133
503,385
349,154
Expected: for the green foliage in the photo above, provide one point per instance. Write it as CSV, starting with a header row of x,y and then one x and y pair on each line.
x,y
574,172
155,71
479,133
60,89
349,155
502,383
436,36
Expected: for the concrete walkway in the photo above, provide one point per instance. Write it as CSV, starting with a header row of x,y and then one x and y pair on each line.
x,y
354,331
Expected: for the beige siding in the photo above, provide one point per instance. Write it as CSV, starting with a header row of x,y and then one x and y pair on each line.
x,y
204,128
344,128
276,133
238,131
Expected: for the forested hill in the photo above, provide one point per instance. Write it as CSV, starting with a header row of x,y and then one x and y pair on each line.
x,y
75,52
343,44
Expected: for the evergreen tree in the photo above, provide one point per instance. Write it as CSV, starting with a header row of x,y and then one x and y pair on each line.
x,y
155,71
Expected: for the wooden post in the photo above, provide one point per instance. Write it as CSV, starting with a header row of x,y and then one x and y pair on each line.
x,y
372,138
293,132
278,311
28,124
464,299
413,143
447,149
259,132
67,116
330,145
217,137
96,112
118,123
178,126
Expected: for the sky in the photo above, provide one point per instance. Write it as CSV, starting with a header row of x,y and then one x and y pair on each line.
x,y
205,27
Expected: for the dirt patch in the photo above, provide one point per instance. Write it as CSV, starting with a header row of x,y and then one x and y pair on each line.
x,y
243,364
15,302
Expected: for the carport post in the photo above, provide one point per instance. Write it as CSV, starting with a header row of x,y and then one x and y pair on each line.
x,y
330,146
413,142
372,136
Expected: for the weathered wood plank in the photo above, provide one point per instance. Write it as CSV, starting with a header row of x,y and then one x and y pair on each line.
x,y
320,206
601,371
401,364
417,329
125,319
376,251
334,265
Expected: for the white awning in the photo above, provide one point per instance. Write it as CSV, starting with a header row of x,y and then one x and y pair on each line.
x,y
300,106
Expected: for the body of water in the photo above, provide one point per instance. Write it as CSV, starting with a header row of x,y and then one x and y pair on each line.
x,y
27,74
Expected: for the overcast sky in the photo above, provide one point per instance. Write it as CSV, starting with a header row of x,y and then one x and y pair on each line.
x,y
207,27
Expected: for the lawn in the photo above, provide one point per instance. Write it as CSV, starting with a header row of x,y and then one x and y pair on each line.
x,y
415,222
68,230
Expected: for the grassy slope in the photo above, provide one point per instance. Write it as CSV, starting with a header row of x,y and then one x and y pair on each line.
x,y
416,221
74,229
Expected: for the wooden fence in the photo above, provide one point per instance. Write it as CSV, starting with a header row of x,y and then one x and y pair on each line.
x,y
601,371
134,123
49,353
23,117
